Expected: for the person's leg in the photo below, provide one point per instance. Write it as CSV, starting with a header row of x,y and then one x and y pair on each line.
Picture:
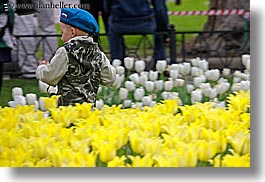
x,y
1,75
116,44
47,27
159,49
26,46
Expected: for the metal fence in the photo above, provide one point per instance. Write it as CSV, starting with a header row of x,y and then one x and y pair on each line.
x,y
182,47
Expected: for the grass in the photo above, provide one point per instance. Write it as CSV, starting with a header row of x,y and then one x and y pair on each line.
x,y
182,23
28,85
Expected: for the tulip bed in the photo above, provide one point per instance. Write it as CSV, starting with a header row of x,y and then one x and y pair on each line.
x,y
165,135
194,117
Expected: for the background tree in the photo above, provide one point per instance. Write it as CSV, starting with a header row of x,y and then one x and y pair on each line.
x,y
227,42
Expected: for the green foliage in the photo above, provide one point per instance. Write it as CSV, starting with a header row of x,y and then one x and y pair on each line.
x,y
28,86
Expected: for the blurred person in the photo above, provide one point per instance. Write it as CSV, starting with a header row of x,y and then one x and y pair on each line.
x,y
79,66
32,21
138,16
95,7
6,44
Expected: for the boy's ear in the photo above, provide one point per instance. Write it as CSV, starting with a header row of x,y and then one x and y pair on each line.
x,y
73,32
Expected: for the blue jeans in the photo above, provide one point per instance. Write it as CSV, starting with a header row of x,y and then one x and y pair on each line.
x,y
117,46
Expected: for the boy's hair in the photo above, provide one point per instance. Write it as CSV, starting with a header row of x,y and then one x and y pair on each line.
x,y
79,32
80,19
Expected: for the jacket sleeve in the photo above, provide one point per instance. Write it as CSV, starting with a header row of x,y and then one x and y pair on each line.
x,y
53,72
108,72
161,15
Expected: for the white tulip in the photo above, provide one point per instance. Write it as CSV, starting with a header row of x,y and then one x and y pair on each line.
x,y
222,87
173,95
41,104
123,93
185,68
161,65
197,81
143,78
236,80
130,85
175,67
190,88
153,103
116,62
196,96
121,78
195,62
245,85
173,74
147,100
99,104
212,75
12,104
99,89
236,87
128,62
248,66
153,75
206,89
226,72
144,73
137,105
135,78
159,85
245,76
120,70
37,105
127,103
195,71
164,95
221,80
213,93
205,85
179,82
149,86
237,73
180,103
204,65
139,66
46,114
20,100
17,91
219,105
138,94
245,59
31,98
168,85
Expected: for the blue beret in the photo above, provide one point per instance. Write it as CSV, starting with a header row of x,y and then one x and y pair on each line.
x,y
79,18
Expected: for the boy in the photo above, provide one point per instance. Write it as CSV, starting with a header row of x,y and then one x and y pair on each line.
x,y
78,67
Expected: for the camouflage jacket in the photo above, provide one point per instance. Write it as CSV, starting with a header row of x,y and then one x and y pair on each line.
x,y
77,69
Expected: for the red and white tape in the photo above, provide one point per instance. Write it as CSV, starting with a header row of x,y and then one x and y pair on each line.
x,y
218,12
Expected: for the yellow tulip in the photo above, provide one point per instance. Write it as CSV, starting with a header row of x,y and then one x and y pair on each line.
x,y
240,142
117,162
138,161
107,151
236,161
207,149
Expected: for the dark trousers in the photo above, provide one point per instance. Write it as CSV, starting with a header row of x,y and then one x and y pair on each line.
x,y
5,56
